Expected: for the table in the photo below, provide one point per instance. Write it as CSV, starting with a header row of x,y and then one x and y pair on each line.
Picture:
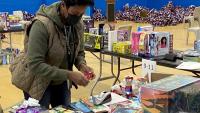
x,y
160,61
10,35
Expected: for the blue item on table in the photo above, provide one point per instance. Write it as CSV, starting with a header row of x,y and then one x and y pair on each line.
x,y
81,107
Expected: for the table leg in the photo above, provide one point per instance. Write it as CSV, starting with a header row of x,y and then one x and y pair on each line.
x,y
118,70
100,73
197,74
133,67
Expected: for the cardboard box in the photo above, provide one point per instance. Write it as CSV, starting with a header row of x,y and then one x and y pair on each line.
x,y
117,36
171,46
123,35
142,43
135,42
163,39
145,28
158,44
4,22
92,40
159,76
94,31
122,47
191,56
172,94
88,23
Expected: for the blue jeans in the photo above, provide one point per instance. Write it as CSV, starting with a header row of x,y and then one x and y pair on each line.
x,y
54,95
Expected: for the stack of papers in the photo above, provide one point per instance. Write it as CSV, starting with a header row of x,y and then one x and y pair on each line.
x,y
189,66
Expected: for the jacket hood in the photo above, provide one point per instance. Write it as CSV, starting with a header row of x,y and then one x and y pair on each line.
x,y
52,13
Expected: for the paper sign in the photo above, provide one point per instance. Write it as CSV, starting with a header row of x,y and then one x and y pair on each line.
x,y
189,66
148,67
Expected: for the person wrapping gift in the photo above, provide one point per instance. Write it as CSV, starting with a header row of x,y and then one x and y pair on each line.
x,y
53,44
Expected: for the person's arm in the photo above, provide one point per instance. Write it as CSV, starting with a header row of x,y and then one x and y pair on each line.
x,y
80,59
37,50
80,62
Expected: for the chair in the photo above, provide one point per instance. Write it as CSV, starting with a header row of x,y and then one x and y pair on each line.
x,y
192,27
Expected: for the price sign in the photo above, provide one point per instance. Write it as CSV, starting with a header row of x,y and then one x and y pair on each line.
x,y
148,67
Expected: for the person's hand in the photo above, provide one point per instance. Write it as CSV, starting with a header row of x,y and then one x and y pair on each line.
x,y
78,78
87,71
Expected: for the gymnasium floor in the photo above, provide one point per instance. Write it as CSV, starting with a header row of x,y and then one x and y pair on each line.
x,y
10,95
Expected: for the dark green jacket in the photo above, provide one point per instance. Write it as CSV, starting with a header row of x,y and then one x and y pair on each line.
x,y
47,50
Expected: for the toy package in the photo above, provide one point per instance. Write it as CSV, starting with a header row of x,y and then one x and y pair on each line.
x,y
135,42
122,47
117,36
8,22
6,58
171,46
27,16
153,45
142,44
158,44
88,23
122,35
145,28
4,23
92,40
94,31
172,94
28,106
14,23
191,56
112,37
163,43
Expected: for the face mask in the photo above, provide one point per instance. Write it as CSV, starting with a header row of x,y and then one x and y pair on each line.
x,y
72,19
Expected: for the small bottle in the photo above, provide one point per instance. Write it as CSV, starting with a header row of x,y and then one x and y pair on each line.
x,y
128,87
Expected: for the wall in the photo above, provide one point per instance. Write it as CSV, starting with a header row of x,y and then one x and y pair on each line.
x,y
184,3
101,4
33,5
48,2
157,4
25,5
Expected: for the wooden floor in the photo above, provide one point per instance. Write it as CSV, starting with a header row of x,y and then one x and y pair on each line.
x,y
10,95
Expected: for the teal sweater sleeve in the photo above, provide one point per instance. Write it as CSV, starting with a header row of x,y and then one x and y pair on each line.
x,y
37,50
